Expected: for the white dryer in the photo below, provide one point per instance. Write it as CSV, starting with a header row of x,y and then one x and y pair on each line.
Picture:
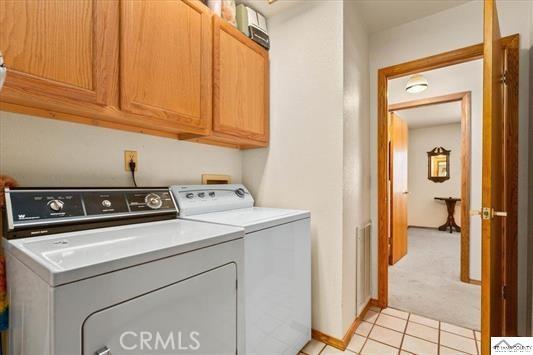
x,y
82,282
277,267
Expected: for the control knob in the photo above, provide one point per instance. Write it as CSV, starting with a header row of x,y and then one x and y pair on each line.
x,y
189,195
201,194
106,203
153,201
56,205
240,192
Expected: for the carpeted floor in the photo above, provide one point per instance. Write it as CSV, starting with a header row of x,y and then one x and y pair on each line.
x,y
426,280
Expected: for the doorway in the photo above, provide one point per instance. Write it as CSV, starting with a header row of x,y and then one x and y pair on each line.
x,y
432,276
504,314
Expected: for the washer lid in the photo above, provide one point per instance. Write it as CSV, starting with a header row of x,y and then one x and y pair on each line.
x,y
253,218
68,257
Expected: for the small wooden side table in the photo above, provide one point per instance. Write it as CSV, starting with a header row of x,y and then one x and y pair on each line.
x,y
450,206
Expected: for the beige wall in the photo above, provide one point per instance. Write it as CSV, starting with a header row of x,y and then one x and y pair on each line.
x,y
423,209
356,150
318,153
44,152
447,30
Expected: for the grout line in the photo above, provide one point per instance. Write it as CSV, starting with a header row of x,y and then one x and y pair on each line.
x,y
438,341
404,330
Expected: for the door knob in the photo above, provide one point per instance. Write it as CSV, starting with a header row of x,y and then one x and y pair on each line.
x,y
487,213
104,351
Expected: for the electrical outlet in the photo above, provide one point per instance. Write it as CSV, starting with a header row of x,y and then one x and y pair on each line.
x,y
128,156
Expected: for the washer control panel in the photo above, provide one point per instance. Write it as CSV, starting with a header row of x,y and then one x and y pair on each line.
x,y
39,207
198,199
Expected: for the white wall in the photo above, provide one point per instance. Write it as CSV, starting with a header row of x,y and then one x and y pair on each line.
x,y
317,158
356,171
45,152
451,29
302,167
423,209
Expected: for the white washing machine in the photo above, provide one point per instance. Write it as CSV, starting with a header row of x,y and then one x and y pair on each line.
x,y
101,272
277,267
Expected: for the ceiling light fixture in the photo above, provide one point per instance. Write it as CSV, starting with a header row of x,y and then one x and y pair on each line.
x,y
416,83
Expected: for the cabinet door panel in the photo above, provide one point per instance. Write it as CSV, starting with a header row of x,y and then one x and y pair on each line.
x,y
54,48
241,84
166,52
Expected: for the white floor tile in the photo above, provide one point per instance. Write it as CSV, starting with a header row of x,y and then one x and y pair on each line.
x,y
458,342
419,346
374,348
422,331
356,343
450,328
391,322
387,336
330,350
363,328
424,321
314,347
371,316
396,313
477,334
447,351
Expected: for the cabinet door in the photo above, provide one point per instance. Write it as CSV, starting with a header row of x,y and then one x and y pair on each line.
x,y
241,84
57,49
166,60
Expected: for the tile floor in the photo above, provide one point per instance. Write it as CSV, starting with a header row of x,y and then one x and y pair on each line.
x,y
391,331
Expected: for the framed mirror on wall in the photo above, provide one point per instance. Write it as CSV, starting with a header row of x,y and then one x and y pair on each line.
x,y
439,164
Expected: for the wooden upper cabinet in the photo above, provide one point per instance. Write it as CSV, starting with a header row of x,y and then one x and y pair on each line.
x,y
52,49
241,91
166,61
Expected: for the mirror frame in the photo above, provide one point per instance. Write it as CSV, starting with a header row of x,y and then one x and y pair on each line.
x,y
434,152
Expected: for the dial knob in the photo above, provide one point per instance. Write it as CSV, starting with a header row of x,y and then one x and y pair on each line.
x,y
201,194
212,194
153,201
240,192
189,195
56,205
106,203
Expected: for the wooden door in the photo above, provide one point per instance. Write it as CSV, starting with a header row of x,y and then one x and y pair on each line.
x,y
166,60
59,49
398,189
493,181
241,78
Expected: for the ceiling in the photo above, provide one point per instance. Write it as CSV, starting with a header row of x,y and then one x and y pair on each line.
x,y
433,115
380,15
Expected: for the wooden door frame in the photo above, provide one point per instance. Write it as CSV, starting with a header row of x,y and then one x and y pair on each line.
x,y
441,60
466,139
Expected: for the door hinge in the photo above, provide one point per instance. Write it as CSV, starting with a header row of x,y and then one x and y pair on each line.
x,y
504,292
503,79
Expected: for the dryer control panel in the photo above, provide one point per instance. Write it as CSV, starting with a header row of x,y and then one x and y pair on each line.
x,y
40,208
199,199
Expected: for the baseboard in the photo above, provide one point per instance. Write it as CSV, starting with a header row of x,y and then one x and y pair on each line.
x,y
423,227
341,344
